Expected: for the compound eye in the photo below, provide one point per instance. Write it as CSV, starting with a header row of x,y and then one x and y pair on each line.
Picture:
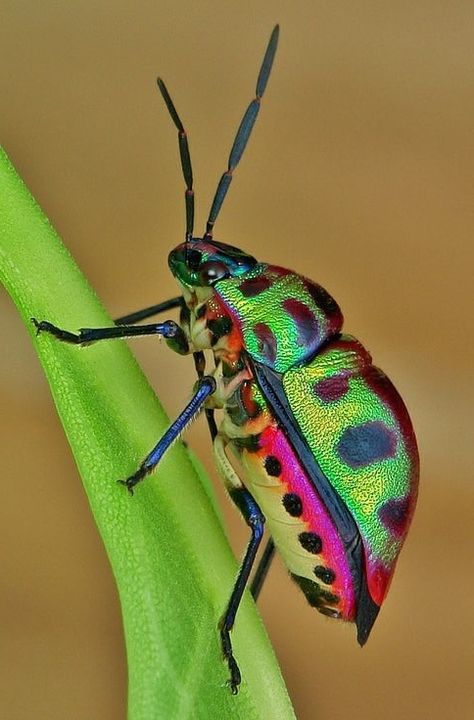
x,y
213,271
193,259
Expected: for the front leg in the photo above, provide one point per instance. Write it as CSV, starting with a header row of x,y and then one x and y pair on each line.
x,y
170,330
86,336
138,315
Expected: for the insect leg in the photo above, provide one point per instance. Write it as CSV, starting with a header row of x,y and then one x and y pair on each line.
x,y
147,312
205,387
86,336
200,365
255,519
211,423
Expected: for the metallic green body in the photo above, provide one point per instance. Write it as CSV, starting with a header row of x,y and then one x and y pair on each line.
x,y
362,439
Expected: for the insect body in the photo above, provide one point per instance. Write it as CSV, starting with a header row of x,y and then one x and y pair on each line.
x,y
324,446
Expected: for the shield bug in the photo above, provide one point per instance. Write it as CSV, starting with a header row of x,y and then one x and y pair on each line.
x,y
323,446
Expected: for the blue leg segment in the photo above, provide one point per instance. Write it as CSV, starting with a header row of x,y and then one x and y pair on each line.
x,y
255,520
147,312
205,387
86,336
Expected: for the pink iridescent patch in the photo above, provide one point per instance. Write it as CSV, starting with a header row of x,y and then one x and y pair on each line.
x,y
318,521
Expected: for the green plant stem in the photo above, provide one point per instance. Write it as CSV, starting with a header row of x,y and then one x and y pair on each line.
x,y
172,563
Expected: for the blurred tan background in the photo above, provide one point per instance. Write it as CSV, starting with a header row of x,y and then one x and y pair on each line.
x,y
360,175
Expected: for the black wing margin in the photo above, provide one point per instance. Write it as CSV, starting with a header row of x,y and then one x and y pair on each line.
x,y
271,386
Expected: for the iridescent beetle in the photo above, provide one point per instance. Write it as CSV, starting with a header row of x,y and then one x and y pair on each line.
x,y
324,442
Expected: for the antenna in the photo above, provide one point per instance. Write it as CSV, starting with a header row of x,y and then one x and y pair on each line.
x,y
243,133
240,142
185,159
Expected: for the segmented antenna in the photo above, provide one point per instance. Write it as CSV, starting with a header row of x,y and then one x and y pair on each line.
x,y
243,133
185,160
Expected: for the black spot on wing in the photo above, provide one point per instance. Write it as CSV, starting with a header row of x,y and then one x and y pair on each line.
x,y
364,444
